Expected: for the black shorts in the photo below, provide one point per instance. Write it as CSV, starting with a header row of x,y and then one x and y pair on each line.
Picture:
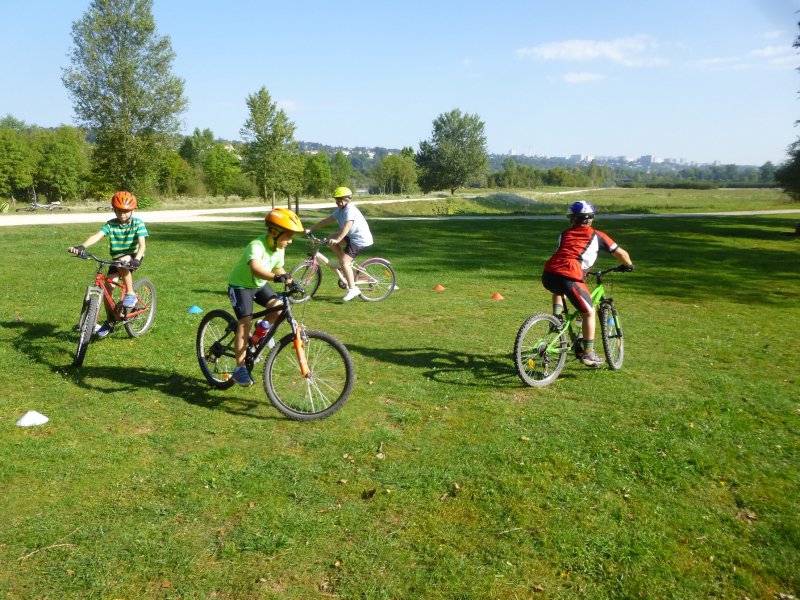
x,y
350,248
577,292
242,299
113,271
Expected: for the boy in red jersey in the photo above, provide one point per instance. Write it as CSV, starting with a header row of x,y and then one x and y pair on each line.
x,y
565,273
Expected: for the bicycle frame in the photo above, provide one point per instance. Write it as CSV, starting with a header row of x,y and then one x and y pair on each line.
x,y
598,295
253,354
315,257
100,281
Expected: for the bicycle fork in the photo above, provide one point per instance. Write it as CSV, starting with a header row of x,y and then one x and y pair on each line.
x,y
300,349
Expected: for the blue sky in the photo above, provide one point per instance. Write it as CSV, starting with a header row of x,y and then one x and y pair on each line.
x,y
700,80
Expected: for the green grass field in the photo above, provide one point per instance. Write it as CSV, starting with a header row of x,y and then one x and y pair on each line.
x,y
443,477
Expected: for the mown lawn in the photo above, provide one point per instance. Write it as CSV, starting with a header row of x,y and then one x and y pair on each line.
x,y
443,476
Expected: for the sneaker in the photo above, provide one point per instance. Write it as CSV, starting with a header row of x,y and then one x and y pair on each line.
x,y
104,330
351,293
241,376
97,327
591,359
129,301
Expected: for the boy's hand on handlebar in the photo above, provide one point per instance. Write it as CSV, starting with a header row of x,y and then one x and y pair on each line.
x,y
79,251
281,278
627,268
134,264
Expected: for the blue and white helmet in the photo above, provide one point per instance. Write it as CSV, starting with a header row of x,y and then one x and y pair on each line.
x,y
581,212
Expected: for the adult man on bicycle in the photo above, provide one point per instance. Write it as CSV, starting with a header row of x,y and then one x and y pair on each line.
x,y
353,236
565,273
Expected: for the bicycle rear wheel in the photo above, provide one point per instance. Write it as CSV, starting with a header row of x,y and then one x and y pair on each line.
x,y
309,276
215,348
611,332
145,299
323,391
374,279
540,350
88,319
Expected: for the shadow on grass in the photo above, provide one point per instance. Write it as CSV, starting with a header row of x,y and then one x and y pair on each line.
x,y
35,340
444,366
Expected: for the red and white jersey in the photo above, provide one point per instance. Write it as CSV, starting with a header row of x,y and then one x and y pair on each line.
x,y
578,248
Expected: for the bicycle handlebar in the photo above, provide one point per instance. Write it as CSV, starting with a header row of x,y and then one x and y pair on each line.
x,y
90,256
316,240
617,269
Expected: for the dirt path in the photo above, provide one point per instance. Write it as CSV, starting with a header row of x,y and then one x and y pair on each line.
x,y
236,214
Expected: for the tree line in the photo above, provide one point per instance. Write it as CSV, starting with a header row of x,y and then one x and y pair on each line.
x,y
127,104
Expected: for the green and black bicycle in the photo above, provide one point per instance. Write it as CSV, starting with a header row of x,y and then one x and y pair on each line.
x,y
544,341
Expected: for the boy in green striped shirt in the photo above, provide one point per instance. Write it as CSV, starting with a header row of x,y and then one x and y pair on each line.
x,y
126,236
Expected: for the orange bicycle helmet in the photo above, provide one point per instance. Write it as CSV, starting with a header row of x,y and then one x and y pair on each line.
x,y
123,201
283,219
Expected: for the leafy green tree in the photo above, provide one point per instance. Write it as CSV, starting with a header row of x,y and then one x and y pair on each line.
x,y
455,154
62,167
123,89
17,125
293,181
194,147
788,174
396,174
177,177
269,143
17,163
317,175
221,167
341,170
766,173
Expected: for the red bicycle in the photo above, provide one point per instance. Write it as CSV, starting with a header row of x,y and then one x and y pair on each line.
x,y
137,320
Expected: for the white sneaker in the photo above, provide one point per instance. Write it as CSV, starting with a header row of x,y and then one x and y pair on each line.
x,y
351,293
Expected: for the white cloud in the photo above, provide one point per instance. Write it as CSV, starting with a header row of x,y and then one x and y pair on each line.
x,y
634,51
773,57
773,35
771,51
583,77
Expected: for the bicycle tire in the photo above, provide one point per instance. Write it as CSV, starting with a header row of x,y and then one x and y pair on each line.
x,y
215,348
309,276
535,366
145,296
88,319
320,394
380,280
611,333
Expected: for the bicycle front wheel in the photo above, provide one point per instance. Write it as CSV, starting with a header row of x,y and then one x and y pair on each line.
x,y
611,332
540,350
374,279
141,323
309,276
88,319
323,391
215,348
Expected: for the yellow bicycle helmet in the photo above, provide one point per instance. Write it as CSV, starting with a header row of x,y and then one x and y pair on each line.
x,y
123,201
283,219
342,192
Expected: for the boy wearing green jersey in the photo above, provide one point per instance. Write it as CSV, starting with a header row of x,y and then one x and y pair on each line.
x,y
261,263
126,237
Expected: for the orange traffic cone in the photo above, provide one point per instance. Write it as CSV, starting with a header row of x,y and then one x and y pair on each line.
x,y
497,296
438,287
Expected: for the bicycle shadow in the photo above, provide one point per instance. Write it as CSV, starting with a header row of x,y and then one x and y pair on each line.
x,y
444,366
36,341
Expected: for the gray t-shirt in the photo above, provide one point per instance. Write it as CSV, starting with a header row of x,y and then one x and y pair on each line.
x,y
359,233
